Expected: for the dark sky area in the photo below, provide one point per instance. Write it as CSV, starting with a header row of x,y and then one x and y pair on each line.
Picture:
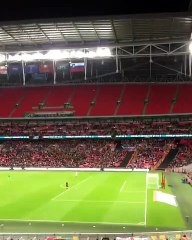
x,y
28,9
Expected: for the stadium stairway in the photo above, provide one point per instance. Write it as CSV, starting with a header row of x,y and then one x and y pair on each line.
x,y
119,100
169,158
146,100
160,99
82,98
126,159
93,102
174,100
184,99
72,94
46,96
17,104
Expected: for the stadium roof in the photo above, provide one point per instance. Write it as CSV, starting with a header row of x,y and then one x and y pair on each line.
x,y
82,32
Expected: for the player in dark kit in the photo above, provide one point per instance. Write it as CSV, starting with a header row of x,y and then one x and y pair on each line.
x,y
67,185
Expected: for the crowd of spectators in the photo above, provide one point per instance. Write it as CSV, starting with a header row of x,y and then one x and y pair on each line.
x,y
102,127
184,155
93,153
189,178
61,153
99,153
149,152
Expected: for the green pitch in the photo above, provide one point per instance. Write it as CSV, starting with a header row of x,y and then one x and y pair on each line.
x,y
38,201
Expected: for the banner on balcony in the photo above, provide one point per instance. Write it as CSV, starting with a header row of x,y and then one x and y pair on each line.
x,y
77,67
31,68
46,68
3,70
14,69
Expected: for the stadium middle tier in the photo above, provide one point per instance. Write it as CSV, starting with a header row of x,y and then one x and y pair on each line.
x,y
96,100
93,127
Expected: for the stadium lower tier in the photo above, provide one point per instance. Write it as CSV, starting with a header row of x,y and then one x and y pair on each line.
x,y
96,100
96,153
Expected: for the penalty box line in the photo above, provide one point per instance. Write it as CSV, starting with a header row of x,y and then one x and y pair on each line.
x,y
129,191
60,194
145,197
95,201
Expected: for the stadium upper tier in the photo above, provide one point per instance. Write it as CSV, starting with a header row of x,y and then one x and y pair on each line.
x,y
96,100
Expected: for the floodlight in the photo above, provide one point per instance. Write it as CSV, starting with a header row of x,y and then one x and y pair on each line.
x,y
80,54
27,57
72,54
2,58
54,54
190,47
91,54
16,57
38,56
65,54
103,52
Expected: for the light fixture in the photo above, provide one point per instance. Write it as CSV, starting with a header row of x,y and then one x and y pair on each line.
x,y
2,57
190,47
58,54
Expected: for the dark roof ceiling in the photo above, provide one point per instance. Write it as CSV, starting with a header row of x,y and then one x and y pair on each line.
x,y
45,24
36,9
94,31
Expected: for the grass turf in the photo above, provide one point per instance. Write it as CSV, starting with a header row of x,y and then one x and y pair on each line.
x,y
94,202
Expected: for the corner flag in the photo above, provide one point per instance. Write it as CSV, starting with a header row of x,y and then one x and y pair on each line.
x,y
163,181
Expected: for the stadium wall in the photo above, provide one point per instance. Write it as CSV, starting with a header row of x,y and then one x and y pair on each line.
x,y
173,235
74,169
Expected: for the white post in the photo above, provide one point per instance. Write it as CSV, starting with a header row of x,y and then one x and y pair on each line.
x,y
91,68
85,63
150,61
185,65
6,64
23,72
54,72
117,63
120,65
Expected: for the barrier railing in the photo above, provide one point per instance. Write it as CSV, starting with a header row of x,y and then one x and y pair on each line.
x,y
171,235
74,169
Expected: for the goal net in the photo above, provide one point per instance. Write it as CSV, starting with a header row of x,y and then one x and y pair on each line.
x,y
153,180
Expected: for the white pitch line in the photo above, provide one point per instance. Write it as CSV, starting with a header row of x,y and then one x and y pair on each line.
x,y
55,221
135,191
57,196
123,185
94,201
146,199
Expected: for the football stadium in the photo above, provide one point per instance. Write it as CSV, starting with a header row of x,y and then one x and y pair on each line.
x,y
96,128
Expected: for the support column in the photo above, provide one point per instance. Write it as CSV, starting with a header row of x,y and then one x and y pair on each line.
x,y
120,68
185,65
91,68
189,65
85,62
6,64
54,72
23,71
150,61
117,63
